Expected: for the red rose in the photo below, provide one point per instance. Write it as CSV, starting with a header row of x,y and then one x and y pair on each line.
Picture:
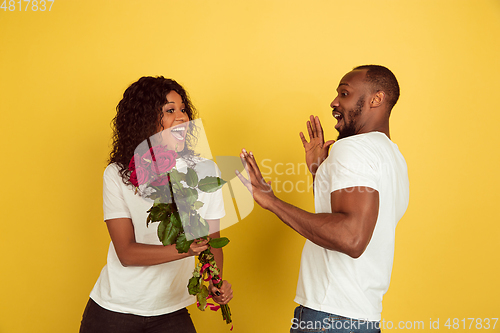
x,y
131,165
139,176
164,158
133,179
146,159
161,181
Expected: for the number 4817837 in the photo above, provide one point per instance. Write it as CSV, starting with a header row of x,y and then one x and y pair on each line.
x,y
32,5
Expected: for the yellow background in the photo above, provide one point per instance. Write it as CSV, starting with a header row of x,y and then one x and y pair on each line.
x,y
255,70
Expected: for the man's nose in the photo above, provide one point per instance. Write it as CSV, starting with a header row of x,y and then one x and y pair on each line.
x,y
335,102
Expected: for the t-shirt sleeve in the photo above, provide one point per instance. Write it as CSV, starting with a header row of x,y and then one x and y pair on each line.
x,y
114,205
352,165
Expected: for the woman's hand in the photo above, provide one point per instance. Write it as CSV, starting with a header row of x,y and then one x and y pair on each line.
x,y
225,293
197,247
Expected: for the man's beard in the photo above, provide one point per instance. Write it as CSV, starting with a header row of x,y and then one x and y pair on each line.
x,y
350,127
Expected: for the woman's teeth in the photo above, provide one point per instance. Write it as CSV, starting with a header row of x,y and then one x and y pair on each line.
x,y
178,132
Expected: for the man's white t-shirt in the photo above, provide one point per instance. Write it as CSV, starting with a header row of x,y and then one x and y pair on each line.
x,y
147,290
333,282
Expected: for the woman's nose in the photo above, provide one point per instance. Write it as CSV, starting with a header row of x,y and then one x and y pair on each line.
x,y
182,116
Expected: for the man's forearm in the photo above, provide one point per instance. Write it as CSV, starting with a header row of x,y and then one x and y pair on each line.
x,y
328,230
348,229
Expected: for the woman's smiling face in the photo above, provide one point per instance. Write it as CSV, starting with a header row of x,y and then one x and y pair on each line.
x,y
174,122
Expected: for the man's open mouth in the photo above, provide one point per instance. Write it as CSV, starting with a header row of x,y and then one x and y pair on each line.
x,y
337,115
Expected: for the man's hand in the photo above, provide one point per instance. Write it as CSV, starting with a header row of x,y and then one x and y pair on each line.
x,y
261,191
316,149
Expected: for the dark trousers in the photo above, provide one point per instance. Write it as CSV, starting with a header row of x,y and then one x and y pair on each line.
x,y
99,320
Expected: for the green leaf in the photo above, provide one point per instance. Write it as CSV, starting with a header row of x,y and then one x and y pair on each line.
x,y
177,187
161,230
191,196
169,207
184,217
194,286
155,196
176,176
153,213
211,184
191,178
197,205
162,194
202,298
159,212
203,225
191,227
182,244
182,207
197,225
176,220
218,242
170,234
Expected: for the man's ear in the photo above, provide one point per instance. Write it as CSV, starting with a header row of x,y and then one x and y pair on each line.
x,y
377,99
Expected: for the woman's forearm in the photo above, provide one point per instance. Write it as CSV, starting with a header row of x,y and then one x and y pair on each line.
x,y
137,254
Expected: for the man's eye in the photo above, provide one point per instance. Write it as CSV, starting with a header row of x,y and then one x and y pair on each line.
x,y
343,93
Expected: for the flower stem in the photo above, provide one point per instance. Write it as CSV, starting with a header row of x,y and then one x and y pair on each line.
x,y
226,312
208,257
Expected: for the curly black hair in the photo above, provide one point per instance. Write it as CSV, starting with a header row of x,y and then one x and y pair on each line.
x,y
139,115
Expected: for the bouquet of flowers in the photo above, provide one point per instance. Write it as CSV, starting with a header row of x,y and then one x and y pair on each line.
x,y
176,208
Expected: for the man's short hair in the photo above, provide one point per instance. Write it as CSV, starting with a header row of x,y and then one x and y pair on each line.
x,y
382,79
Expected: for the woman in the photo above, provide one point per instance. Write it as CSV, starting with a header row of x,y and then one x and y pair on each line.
x,y
142,288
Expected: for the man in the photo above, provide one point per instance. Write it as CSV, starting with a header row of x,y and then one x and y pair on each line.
x,y
361,191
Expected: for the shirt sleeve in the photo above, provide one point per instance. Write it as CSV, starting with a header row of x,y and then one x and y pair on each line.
x,y
352,165
114,205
